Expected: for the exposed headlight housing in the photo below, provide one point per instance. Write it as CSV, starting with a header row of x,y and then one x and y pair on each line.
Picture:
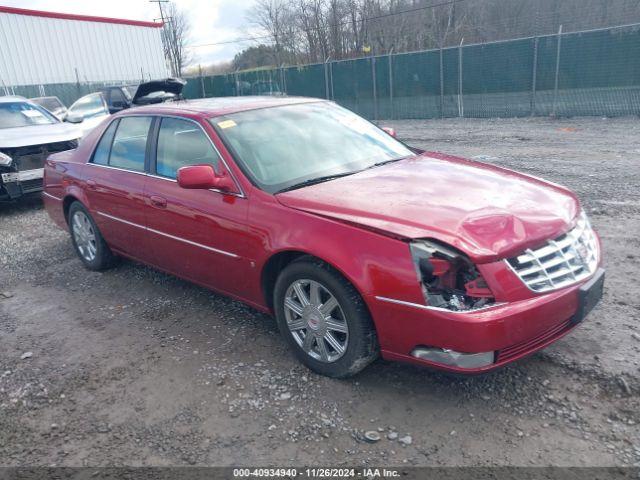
x,y
449,280
5,160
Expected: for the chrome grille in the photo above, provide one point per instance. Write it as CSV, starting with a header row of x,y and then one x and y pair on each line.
x,y
568,259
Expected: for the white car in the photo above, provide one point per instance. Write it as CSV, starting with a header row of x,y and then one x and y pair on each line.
x,y
92,109
28,135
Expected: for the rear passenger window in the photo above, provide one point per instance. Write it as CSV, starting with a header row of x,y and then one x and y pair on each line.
x,y
182,143
101,155
130,143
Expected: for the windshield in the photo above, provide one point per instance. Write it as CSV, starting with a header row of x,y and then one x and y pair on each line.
x,y
50,103
90,106
23,114
281,147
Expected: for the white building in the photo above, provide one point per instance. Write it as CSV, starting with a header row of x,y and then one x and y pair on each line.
x,y
39,48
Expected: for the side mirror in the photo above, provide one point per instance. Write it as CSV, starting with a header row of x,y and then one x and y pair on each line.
x,y
74,118
203,177
390,131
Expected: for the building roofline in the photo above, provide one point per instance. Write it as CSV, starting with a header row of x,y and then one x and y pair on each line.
x,y
72,16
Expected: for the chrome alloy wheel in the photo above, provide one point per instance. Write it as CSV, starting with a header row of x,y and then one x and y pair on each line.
x,y
84,236
316,320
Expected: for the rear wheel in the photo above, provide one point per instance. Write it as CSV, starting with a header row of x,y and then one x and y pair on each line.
x,y
324,320
87,239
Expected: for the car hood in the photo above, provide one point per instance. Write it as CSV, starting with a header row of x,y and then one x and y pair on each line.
x,y
38,135
487,212
168,85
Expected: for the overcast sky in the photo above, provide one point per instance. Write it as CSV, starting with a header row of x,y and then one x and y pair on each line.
x,y
211,20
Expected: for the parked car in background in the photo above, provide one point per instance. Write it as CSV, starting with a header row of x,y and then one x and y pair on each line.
x,y
53,105
118,97
28,134
92,109
121,97
358,244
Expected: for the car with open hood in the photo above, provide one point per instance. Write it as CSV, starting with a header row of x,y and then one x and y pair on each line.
x,y
121,97
358,244
28,134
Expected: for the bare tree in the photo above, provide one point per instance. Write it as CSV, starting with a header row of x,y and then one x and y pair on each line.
x,y
305,31
175,38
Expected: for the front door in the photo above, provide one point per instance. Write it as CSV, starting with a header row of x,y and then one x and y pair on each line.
x,y
195,234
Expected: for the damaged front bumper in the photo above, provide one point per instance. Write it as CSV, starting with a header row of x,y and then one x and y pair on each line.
x,y
484,339
15,184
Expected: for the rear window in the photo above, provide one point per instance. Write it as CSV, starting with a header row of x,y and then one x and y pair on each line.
x,y
24,114
130,143
124,144
101,155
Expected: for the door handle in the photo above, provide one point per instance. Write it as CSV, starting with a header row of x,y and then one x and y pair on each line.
x,y
91,184
157,201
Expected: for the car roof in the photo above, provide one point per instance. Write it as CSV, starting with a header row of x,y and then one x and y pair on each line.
x,y
13,98
214,107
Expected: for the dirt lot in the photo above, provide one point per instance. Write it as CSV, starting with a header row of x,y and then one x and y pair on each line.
x,y
134,367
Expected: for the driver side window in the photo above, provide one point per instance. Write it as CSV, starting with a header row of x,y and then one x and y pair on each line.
x,y
182,143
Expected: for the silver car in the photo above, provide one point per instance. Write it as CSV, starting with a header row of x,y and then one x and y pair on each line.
x,y
28,135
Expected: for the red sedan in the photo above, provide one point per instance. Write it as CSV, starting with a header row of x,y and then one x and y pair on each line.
x,y
359,245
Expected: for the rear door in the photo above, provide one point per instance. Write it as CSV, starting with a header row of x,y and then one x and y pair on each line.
x,y
115,183
196,234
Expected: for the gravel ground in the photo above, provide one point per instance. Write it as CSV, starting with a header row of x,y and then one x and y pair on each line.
x,y
134,367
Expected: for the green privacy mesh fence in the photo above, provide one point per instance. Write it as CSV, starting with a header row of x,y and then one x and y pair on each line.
x,y
582,73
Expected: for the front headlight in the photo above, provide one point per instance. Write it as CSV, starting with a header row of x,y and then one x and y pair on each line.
x,y
5,160
449,280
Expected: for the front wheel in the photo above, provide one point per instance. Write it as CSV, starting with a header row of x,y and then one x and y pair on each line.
x,y
87,239
324,320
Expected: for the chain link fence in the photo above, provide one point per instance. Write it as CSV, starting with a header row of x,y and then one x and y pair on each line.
x,y
595,72
66,92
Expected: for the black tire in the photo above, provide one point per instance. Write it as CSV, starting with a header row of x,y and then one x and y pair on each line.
x,y
362,347
103,257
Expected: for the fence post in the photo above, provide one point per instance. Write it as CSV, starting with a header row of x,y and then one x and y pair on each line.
x,y
4,87
79,92
534,76
203,93
391,109
441,84
283,79
460,99
375,88
326,77
555,88
331,80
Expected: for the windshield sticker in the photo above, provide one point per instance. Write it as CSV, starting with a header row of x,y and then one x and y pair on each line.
x,y
355,123
227,124
31,113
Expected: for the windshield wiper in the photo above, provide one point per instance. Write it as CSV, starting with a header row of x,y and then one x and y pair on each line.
x,y
313,181
384,162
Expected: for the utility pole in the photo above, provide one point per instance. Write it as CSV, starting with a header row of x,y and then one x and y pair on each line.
x,y
166,40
